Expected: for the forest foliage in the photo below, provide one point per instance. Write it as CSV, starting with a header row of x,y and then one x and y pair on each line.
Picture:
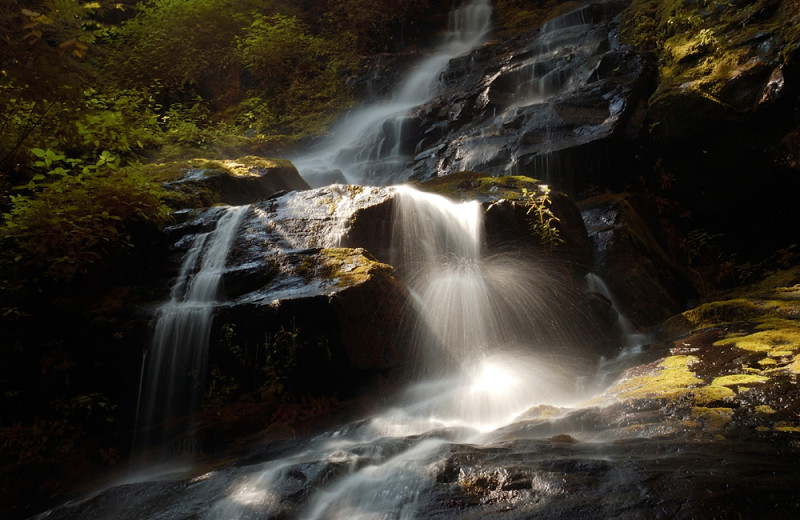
x,y
85,81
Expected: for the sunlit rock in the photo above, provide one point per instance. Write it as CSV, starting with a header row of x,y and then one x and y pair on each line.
x,y
202,183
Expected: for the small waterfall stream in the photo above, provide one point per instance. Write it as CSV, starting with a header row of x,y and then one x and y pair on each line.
x,y
176,361
373,144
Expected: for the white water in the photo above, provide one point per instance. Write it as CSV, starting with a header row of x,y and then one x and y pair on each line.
x,y
478,314
369,146
174,365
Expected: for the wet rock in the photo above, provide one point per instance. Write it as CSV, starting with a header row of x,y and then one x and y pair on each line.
x,y
632,253
285,274
653,478
511,218
713,407
553,104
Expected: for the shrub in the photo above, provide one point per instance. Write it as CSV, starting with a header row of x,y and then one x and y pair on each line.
x,y
79,219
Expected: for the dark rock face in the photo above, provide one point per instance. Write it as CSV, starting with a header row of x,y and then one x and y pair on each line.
x,y
339,309
553,479
724,113
633,253
555,104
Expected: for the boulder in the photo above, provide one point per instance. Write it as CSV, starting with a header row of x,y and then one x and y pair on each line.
x,y
201,183
509,222
286,277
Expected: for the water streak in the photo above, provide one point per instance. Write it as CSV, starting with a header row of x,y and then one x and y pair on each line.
x,y
175,364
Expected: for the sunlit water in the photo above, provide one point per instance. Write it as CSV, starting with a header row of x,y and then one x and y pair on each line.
x,y
482,367
484,364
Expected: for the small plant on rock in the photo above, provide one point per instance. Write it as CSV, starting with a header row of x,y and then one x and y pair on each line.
x,y
541,218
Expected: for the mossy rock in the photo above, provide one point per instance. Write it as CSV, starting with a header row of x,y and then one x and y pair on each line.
x,y
201,183
717,60
729,364
511,217
470,185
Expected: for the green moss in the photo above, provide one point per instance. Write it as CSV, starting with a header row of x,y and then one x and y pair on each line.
x,y
671,378
787,427
780,335
712,314
247,166
347,267
700,47
713,418
765,409
708,394
470,185
794,366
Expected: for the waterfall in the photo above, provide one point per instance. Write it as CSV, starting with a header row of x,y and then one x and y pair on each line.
x,y
478,313
490,338
174,366
488,324
374,143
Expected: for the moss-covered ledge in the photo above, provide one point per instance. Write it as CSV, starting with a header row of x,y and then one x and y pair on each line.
x,y
729,364
201,183
716,58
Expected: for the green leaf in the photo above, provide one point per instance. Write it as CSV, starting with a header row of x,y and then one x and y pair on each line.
x,y
39,177
38,152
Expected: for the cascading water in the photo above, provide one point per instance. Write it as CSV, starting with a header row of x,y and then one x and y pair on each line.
x,y
374,143
478,314
488,324
175,363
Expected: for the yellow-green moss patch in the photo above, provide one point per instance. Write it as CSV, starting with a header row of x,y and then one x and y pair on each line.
x,y
713,418
349,267
765,409
672,377
738,379
787,427
794,366
466,184
709,394
783,340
